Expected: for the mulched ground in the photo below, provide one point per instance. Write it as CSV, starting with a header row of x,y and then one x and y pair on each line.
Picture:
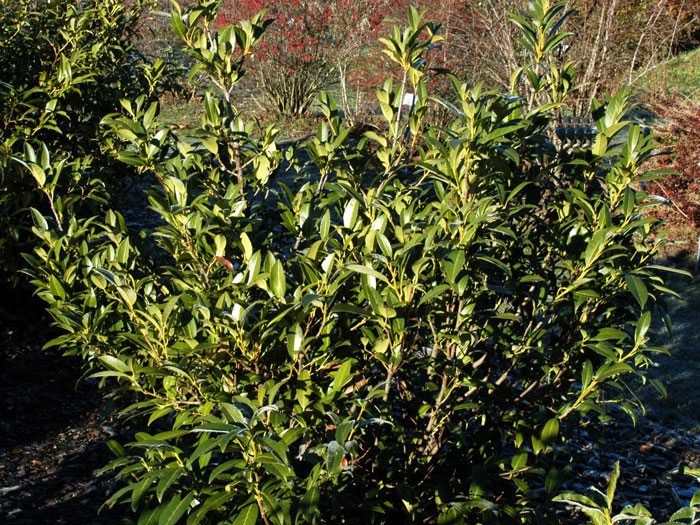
x,y
652,457
53,435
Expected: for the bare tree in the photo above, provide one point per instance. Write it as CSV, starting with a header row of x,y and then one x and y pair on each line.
x,y
615,41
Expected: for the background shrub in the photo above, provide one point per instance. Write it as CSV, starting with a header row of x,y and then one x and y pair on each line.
x,y
679,132
307,47
65,66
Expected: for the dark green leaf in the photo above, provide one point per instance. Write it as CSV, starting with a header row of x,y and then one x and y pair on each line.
x,y
175,509
247,516
637,288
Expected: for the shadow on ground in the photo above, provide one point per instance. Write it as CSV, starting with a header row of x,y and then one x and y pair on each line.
x,y
52,433
679,371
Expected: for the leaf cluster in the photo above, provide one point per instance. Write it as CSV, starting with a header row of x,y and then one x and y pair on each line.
x,y
65,65
403,328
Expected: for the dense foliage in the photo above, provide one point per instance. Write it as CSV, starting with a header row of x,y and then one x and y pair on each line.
x,y
406,329
64,67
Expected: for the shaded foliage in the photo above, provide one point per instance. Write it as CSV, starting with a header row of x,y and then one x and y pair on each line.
x,y
65,66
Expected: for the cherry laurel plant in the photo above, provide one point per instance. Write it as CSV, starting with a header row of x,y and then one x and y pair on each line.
x,y
598,505
405,329
64,67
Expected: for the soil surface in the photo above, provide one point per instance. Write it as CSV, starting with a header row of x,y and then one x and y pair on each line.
x,y
52,432
53,436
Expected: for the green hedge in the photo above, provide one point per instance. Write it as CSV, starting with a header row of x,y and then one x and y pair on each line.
x,y
407,331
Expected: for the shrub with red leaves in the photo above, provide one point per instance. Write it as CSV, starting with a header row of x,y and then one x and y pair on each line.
x,y
302,51
680,133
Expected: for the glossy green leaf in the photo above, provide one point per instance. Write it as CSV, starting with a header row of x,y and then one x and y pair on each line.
x,y
310,501
175,509
637,288
278,281
366,270
248,515
114,363
550,432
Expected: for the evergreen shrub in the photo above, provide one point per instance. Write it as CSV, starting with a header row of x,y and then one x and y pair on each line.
x,y
406,330
65,65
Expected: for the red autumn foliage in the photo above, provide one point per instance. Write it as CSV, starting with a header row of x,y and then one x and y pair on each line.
x,y
680,133
302,51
